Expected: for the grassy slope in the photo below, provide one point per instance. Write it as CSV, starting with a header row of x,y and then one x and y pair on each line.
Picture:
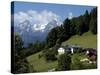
x,y
87,40
41,65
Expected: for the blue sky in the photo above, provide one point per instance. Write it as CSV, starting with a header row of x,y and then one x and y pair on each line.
x,y
62,10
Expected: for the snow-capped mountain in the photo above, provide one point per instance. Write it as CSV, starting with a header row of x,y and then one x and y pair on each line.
x,y
31,33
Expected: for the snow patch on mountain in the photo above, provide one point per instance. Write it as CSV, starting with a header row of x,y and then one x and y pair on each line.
x,y
38,20
31,25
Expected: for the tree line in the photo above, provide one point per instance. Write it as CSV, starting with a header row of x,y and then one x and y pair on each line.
x,y
69,27
20,63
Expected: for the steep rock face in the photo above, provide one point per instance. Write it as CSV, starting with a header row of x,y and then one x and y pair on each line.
x,y
31,33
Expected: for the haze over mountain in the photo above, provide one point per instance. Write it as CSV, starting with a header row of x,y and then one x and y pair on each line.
x,y
32,33
32,25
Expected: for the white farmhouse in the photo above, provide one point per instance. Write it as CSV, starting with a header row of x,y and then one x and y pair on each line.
x,y
61,50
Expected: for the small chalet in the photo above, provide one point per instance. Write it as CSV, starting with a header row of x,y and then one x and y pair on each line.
x,y
91,53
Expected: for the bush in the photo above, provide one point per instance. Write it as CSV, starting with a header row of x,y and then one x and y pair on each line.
x,y
50,55
76,65
64,62
39,56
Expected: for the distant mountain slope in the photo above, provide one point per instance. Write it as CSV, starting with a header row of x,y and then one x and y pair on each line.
x,y
31,33
87,40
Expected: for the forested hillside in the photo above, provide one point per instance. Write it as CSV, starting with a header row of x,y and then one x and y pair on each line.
x,y
75,26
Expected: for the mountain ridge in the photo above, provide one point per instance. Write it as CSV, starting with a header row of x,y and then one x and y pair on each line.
x,y
32,33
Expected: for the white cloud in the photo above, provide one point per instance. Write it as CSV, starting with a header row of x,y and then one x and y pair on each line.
x,y
70,15
38,20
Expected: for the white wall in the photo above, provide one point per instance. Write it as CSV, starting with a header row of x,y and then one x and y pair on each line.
x,y
61,51
72,50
